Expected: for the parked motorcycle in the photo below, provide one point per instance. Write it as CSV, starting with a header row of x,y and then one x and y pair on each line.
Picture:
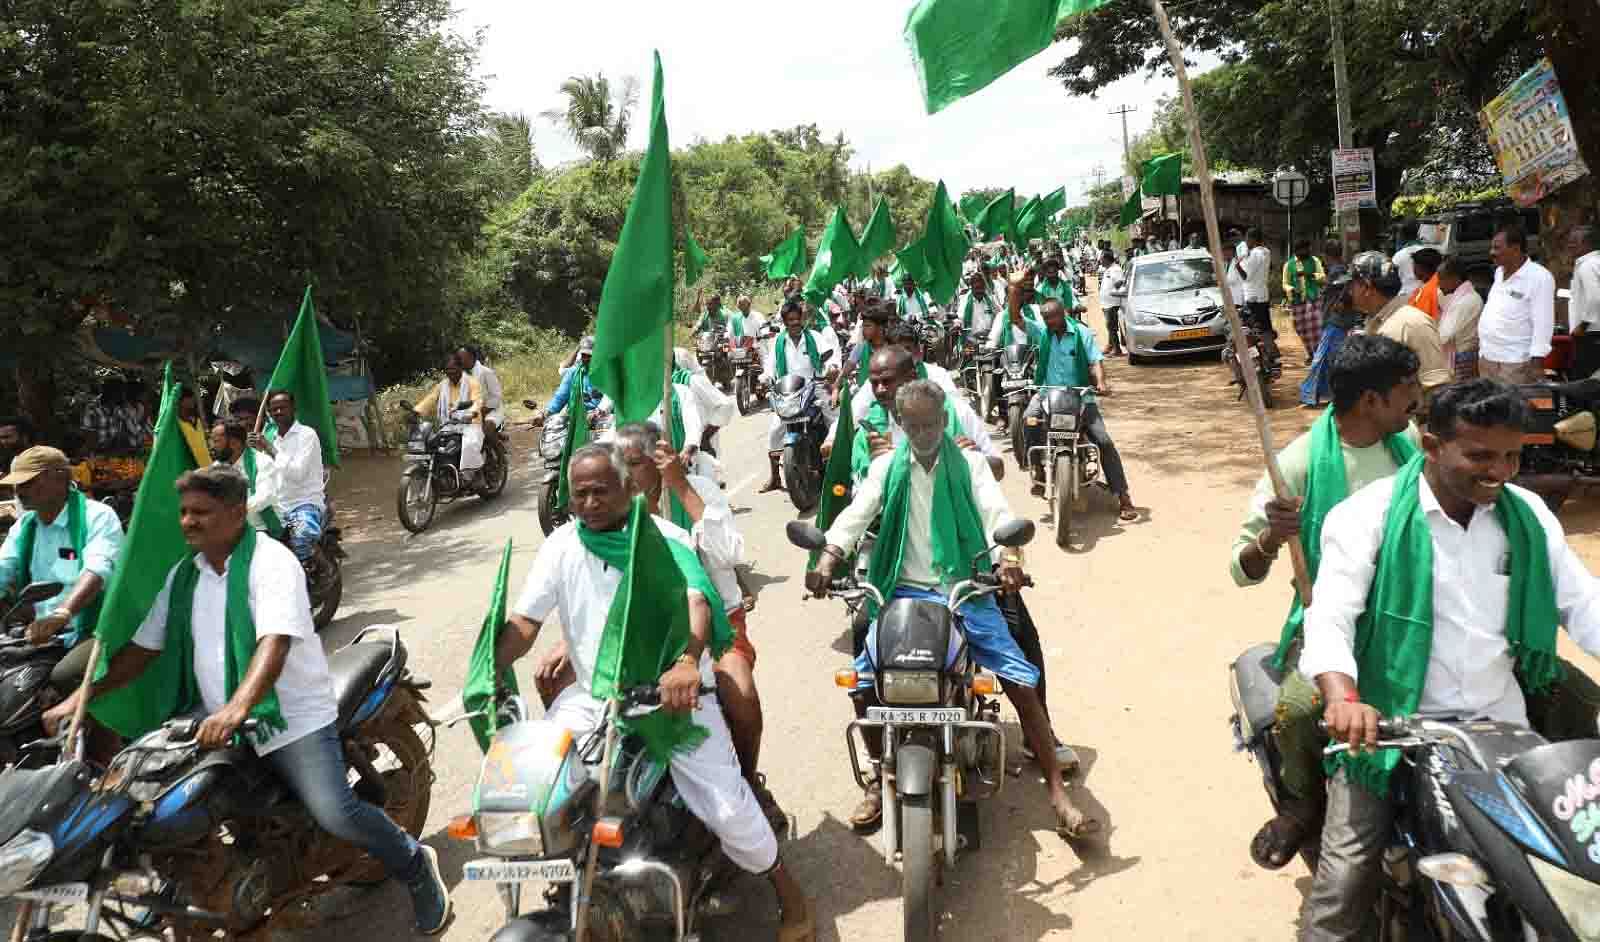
x,y
552,440
797,402
24,672
533,819
713,350
1071,462
1493,839
432,473
1558,443
1266,369
198,842
943,746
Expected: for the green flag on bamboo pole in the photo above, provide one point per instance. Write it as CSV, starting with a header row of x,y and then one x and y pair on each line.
x,y
1132,209
1053,203
1162,175
970,206
910,260
636,301
788,258
695,259
302,373
876,239
998,218
945,245
1029,223
155,543
960,46
477,694
838,254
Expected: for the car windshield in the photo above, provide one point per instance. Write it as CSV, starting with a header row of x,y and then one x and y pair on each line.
x,y
1165,277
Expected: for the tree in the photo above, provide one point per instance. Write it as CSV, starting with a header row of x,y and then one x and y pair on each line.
x,y
509,163
596,120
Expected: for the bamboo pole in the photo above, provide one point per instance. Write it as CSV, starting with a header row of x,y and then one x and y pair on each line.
x,y
581,927
1302,573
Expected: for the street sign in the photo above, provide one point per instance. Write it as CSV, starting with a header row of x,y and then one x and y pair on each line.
x,y
1290,188
1354,179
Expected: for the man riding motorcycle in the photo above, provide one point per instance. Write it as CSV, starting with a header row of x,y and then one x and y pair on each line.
x,y
1052,285
228,447
1364,436
913,304
570,577
798,351
296,453
238,618
494,415
575,381
458,401
977,307
938,504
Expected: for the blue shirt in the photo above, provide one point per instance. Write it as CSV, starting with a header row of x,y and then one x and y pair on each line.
x,y
102,541
591,396
1065,368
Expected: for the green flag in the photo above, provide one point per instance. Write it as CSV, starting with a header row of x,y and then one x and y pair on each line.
x,y
911,260
1029,224
838,254
1132,209
302,373
944,243
996,219
960,46
970,206
789,258
477,694
836,478
636,300
694,259
1162,175
153,546
1054,203
876,239
577,437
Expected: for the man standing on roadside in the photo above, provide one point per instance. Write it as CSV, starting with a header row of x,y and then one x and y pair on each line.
x,y
1425,263
1583,311
1303,278
1375,291
1458,324
1338,319
1112,291
1519,317
1257,302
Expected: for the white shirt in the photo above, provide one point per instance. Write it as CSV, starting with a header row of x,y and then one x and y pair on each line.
x,y
693,423
265,492
984,311
568,579
754,323
908,308
799,363
298,463
716,407
916,562
971,426
1584,308
489,385
1458,325
279,606
718,541
1519,316
1235,281
1110,278
1408,270
1030,314
1470,667
1255,267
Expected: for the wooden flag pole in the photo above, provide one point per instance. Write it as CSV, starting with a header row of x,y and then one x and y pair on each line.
x,y
1241,346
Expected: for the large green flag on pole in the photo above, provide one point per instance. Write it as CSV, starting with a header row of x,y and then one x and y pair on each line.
x,y
636,301
155,544
997,218
302,373
1054,203
1029,223
944,243
911,260
970,206
694,259
876,240
960,46
837,256
1162,175
477,694
1132,209
789,258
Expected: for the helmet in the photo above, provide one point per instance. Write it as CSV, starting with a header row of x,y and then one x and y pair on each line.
x,y
1376,268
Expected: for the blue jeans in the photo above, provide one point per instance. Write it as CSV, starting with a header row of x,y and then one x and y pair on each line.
x,y
1316,386
313,767
988,637
305,529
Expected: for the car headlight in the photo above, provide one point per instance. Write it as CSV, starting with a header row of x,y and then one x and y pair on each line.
x,y
510,833
1144,318
22,858
909,686
1063,422
1577,898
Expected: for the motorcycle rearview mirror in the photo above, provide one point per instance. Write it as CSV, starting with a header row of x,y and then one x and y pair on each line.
x,y
805,535
530,404
1018,532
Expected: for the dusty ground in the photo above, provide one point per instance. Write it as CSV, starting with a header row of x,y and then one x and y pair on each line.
x,y
1139,621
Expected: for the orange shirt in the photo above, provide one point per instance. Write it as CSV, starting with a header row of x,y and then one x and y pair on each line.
x,y
1426,298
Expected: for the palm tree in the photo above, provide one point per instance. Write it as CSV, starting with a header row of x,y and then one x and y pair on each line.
x,y
595,120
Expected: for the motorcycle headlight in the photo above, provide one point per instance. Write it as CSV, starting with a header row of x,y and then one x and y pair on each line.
x,y
1063,422
22,858
788,407
509,834
550,446
909,686
1577,898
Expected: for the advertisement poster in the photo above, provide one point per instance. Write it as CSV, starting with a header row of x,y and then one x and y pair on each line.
x,y
1530,134
1355,182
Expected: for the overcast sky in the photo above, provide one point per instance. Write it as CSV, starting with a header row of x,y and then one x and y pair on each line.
x,y
734,66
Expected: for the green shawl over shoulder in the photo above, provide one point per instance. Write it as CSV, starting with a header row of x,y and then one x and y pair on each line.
x,y
956,532
877,421
782,363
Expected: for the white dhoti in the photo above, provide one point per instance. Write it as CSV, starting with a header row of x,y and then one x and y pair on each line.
x,y
713,788
497,416
471,445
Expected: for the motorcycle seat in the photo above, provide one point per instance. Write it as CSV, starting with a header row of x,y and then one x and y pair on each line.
x,y
356,669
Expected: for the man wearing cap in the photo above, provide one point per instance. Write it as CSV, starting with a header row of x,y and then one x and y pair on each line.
x,y
64,537
576,373
1374,285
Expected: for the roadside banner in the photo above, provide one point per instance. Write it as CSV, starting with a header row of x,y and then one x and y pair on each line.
x,y
1355,182
1530,133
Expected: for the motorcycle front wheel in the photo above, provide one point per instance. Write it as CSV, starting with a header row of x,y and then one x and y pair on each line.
x,y
917,863
549,516
741,393
1066,483
802,473
416,502
1019,438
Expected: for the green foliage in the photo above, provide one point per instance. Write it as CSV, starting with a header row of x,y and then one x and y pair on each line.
x,y
597,120
1426,204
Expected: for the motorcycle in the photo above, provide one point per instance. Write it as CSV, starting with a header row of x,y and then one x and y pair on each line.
x,y
432,473
1016,386
932,331
745,355
324,570
24,672
1558,442
1266,369
713,351
797,402
1071,462
943,746
657,865
176,838
552,440
1494,837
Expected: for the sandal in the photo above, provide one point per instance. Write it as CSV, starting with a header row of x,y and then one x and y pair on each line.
x,y
1127,513
1278,841
805,930
868,815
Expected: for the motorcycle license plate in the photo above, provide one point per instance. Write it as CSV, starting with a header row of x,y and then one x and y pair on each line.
x,y
60,893
519,871
1189,334
1014,383
913,717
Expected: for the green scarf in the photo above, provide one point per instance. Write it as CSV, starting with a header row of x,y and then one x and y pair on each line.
x,y
864,368
966,311
1040,337
239,642
1307,291
877,420
269,516
956,531
640,642
736,324
1394,636
1061,291
900,305
77,511
1326,486
675,510
811,354
709,320
1027,322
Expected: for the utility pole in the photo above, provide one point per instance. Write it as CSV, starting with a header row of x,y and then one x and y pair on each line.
x,y
1099,176
1348,218
1126,157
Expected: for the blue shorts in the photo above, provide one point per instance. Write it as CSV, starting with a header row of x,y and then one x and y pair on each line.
x,y
988,637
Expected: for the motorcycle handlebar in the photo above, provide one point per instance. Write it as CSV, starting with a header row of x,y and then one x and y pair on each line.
x,y
650,695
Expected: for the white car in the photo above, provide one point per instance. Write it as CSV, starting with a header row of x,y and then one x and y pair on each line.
x,y
1171,306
